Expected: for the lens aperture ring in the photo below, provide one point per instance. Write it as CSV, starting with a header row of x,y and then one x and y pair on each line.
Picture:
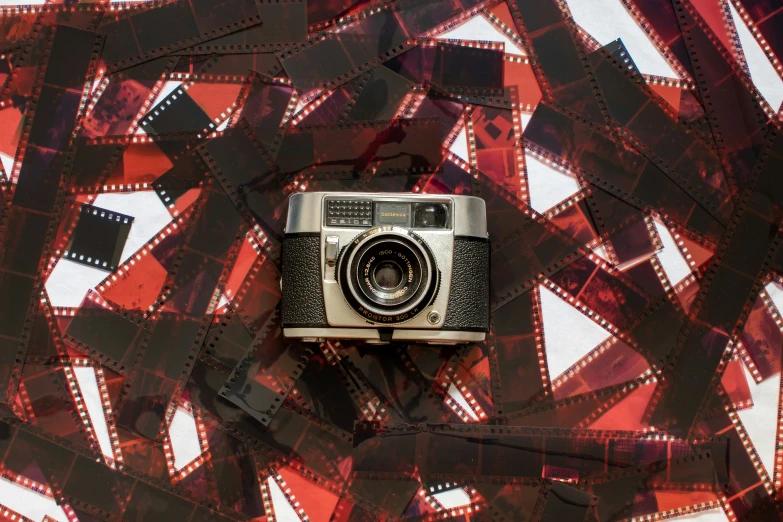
x,y
406,256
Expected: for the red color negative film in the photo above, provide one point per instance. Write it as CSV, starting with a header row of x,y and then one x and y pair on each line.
x,y
214,112
136,34
44,159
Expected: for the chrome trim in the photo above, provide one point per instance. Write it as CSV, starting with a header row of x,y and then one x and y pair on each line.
x,y
470,216
371,334
305,210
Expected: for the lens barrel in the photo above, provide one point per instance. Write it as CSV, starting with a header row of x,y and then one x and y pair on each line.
x,y
388,275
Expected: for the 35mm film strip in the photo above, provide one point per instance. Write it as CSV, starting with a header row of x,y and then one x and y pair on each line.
x,y
190,318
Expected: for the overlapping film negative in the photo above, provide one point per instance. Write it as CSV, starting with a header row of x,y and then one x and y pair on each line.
x,y
629,156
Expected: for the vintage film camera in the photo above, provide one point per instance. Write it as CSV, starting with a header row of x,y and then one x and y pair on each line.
x,y
385,268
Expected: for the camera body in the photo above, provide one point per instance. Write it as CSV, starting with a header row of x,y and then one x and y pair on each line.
x,y
385,267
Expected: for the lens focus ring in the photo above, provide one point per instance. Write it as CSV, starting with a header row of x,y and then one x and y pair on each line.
x,y
380,252
388,275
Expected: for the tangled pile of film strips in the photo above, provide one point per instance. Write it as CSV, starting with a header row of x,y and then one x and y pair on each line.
x,y
220,109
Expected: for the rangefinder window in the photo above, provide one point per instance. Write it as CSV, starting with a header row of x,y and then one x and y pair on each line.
x,y
430,215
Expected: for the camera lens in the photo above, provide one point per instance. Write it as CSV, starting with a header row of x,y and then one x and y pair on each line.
x,y
388,272
387,275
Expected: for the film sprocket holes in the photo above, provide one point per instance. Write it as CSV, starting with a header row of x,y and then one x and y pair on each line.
x,y
385,267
